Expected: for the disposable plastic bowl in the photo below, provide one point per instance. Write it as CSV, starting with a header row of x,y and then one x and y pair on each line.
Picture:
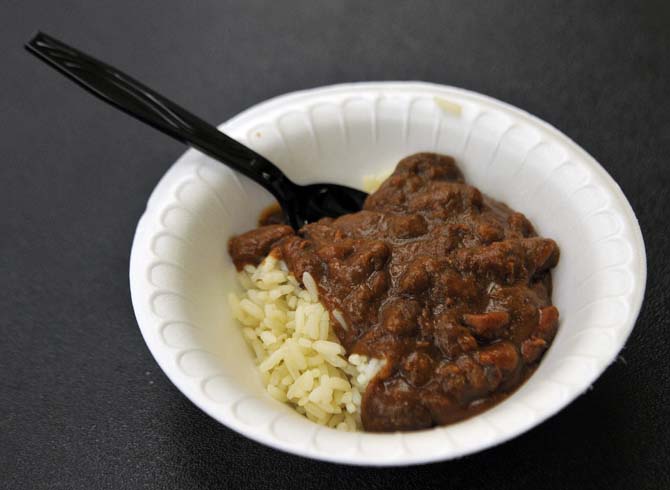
x,y
180,271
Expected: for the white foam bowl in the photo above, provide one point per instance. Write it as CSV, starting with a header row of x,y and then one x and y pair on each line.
x,y
180,271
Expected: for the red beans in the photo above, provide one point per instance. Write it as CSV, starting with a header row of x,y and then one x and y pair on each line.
x,y
246,248
391,406
518,223
487,325
401,317
542,252
490,233
548,324
452,379
532,349
430,166
449,286
503,355
336,251
452,339
417,368
416,278
407,226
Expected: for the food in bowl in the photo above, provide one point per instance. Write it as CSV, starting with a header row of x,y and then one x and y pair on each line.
x,y
438,296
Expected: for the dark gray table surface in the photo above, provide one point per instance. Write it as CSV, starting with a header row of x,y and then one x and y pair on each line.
x,y
82,402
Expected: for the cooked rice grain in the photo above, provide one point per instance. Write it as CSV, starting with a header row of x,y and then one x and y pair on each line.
x,y
372,182
297,352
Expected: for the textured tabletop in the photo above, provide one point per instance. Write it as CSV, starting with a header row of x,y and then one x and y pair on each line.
x,y
82,402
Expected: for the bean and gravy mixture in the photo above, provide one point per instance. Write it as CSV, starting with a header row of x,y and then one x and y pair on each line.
x,y
450,287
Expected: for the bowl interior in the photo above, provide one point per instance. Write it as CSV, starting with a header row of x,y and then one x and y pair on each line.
x,y
181,271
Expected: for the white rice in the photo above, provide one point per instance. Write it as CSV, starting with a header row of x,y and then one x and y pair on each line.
x,y
299,356
372,182
448,106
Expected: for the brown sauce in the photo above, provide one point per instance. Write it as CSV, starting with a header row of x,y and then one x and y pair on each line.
x,y
451,287
272,215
